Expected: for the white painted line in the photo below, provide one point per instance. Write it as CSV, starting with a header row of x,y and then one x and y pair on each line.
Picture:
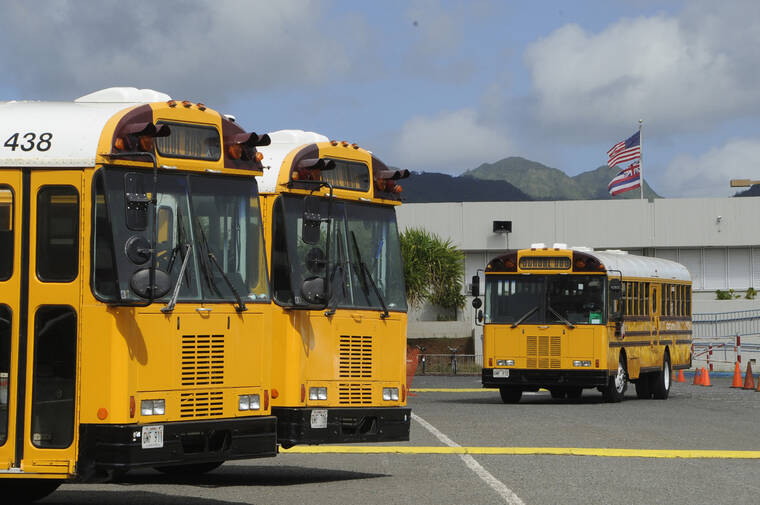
x,y
507,494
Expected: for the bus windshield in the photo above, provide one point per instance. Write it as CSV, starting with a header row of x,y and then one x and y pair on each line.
x,y
364,250
198,215
545,299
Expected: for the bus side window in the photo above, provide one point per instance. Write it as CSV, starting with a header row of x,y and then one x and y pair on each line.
x,y
6,233
280,265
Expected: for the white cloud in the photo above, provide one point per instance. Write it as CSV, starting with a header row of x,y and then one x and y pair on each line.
x,y
675,72
190,49
708,175
449,142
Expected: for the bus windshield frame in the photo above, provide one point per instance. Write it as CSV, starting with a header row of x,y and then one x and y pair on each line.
x,y
546,299
198,214
360,232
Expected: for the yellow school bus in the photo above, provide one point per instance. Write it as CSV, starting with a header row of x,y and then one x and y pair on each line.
x,y
568,319
339,323
134,299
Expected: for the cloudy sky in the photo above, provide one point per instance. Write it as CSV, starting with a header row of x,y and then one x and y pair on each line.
x,y
429,85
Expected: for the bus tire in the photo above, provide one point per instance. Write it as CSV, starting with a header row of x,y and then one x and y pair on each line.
x,y
616,384
510,395
662,379
643,391
27,490
191,469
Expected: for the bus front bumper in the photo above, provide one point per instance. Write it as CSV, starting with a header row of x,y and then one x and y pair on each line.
x,y
108,448
306,425
534,379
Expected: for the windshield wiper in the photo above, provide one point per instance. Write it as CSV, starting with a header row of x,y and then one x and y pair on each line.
x,y
524,317
340,265
210,276
173,301
559,316
368,276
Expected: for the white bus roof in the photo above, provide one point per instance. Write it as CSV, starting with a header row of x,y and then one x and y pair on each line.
x,y
283,142
641,266
74,127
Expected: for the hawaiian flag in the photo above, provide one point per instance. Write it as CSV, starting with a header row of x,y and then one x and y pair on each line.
x,y
625,150
627,179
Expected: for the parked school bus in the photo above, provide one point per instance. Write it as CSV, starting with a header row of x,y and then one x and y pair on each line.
x,y
339,324
134,302
568,319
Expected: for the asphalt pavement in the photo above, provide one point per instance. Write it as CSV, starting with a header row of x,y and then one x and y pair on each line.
x,y
447,460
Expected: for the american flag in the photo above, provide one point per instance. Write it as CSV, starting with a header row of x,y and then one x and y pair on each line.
x,y
625,150
627,179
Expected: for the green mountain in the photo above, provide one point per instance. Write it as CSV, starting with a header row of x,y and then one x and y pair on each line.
x,y
540,182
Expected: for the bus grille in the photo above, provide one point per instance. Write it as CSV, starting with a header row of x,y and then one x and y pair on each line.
x,y
201,404
202,360
355,357
354,394
543,351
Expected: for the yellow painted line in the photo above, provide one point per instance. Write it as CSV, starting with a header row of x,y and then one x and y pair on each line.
x,y
457,390
453,390
519,451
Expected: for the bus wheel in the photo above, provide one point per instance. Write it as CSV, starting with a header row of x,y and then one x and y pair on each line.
x,y
661,382
643,390
27,490
191,469
616,384
557,393
510,395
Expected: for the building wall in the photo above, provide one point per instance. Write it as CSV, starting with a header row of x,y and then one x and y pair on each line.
x,y
717,239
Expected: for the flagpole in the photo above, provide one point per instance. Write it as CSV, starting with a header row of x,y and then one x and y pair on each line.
x,y
641,160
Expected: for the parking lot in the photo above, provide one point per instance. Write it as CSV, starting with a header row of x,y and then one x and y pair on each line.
x,y
701,446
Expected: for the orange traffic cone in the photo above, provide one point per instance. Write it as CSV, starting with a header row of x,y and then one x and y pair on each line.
x,y
705,377
681,378
749,380
737,377
697,381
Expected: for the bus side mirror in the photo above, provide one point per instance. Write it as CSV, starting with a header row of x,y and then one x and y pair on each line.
x,y
313,290
616,296
475,286
312,220
480,316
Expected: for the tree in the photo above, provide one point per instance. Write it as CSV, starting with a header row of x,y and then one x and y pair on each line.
x,y
433,269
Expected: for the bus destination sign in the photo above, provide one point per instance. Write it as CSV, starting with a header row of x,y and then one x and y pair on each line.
x,y
545,263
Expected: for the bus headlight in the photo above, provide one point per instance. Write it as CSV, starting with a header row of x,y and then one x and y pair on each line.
x,y
582,363
249,402
153,407
318,393
505,362
390,394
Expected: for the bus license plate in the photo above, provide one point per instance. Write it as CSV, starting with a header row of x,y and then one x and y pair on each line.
x,y
152,437
319,418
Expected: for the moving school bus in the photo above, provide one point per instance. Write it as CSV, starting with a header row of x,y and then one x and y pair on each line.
x,y
568,319
339,339
134,299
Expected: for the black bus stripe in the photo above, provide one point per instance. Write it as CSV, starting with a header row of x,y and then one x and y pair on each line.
x,y
23,316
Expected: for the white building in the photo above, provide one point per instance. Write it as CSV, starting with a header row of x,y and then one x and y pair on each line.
x,y
717,239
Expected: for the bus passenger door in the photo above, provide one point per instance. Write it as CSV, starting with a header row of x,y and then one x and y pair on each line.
x,y
10,241
654,317
46,432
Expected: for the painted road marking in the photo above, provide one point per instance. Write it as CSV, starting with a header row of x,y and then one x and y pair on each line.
x,y
453,390
460,390
526,451
501,489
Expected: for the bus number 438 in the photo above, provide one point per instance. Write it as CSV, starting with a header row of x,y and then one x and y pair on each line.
x,y
29,141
